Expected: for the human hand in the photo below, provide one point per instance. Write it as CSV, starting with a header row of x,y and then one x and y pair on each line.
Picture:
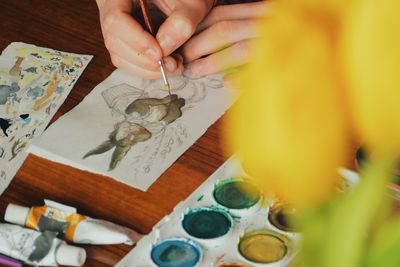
x,y
223,39
134,49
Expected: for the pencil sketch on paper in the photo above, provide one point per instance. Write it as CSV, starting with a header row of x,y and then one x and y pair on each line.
x,y
151,120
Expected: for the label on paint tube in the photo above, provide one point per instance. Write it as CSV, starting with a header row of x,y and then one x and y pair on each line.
x,y
69,225
38,248
57,218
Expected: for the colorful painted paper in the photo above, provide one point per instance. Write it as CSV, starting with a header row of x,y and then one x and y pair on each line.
x,y
130,129
34,82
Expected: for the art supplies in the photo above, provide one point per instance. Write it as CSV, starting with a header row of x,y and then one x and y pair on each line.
x,y
36,248
9,262
127,129
225,222
34,82
150,27
69,225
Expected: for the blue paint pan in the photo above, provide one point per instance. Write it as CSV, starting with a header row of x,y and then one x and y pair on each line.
x,y
176,252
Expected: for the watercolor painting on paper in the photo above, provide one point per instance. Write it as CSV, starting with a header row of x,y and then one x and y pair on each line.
x,y
149,111
34,82
130,129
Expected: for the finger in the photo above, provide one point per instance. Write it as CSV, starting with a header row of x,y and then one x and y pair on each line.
x,y
231,57
234,12
218,36
118,47
116,21
129,67
229,75
172,63
181,24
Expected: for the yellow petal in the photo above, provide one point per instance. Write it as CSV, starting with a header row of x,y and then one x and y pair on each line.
x,y
371,49
289,124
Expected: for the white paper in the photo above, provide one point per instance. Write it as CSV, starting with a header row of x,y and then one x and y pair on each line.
x,y
151,144
34,82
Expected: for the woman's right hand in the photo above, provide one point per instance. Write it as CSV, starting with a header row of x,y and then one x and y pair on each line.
x,y
134,49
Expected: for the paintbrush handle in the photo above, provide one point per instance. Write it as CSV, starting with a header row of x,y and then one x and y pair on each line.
x,y
146,16
149,25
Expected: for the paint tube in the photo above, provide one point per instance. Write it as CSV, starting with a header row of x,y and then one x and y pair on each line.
x,y
69,225
38,248
9,262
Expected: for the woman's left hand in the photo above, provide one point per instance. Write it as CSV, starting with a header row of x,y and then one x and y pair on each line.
x,y
223,39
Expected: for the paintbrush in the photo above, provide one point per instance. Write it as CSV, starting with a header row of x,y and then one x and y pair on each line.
x,y
150,28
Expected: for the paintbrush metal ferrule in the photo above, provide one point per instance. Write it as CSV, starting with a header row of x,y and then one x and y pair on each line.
x,y
164,75
150,27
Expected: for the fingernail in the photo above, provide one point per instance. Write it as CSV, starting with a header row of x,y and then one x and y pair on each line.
x,y
166,42
170,65
152,54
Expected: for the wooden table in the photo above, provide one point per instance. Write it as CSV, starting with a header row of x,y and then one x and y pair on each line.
x,y
73,26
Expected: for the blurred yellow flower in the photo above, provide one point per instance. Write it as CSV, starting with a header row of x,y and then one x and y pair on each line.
x,y
322,73
371,54
290,123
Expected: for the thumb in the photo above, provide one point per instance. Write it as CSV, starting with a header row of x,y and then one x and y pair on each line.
x,y
181,24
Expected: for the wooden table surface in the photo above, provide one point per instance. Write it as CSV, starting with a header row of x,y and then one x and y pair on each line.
x,y
73,26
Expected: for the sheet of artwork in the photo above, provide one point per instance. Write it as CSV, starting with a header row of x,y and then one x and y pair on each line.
x,y
34,82
130,129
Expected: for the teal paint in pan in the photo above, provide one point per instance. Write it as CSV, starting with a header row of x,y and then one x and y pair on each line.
x,y
236,193
207,222
177,252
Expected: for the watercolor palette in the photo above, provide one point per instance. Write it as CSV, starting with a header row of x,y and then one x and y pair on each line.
x,y
219,225
362,156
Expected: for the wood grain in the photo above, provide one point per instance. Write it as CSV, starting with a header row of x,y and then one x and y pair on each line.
x,y
73,26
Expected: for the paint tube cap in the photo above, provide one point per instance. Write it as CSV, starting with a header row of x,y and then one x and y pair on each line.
x,y
16,214
70,255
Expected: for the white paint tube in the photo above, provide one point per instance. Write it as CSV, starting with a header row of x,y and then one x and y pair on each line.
x,y
38,248
70,225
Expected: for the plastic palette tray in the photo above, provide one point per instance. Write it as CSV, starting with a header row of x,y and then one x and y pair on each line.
x,y
220,250
224,249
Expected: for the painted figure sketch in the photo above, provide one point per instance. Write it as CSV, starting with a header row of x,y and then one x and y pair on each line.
x,y
34,82
126,134
130,129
